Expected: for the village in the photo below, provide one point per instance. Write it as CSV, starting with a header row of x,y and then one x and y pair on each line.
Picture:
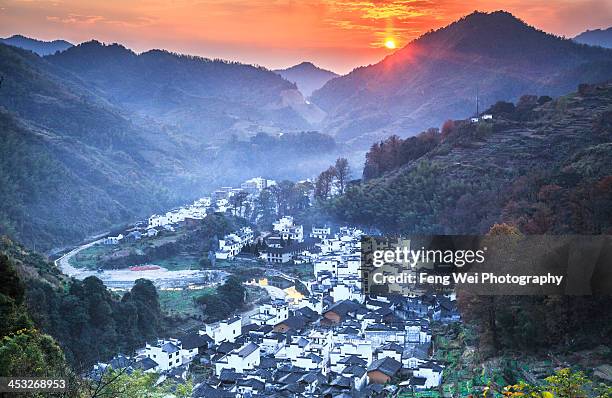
x,y
334,339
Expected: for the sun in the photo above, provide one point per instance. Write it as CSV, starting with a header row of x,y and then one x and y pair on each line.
x,y
390,43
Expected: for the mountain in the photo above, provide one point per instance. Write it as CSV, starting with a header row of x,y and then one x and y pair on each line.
x,y
72,163
541,165
438,75
205,99
307,76
39,47
596,37
83,151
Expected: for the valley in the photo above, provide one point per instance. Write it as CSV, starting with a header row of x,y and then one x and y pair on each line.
x,y
181,226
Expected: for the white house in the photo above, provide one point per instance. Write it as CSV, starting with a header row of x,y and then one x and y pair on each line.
x,y
226,330
157,221
254,185
296,347
320,232
168,354
380,334
391,350
273,342
240,359
287,230
346,291
278,255
328,263
314,302
308,361
271,314
431,372
231,245
361,348
417,331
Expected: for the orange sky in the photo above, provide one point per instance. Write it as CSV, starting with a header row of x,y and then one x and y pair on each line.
x,y
338,35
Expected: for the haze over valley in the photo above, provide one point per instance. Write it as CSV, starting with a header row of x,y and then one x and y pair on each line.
x,y
120,134
177,221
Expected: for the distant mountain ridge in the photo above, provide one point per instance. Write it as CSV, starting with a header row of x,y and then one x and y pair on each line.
x,y
205,98
39,47
307,76
596,37
437,76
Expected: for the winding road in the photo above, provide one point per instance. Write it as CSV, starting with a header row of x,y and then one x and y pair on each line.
x,y
125,278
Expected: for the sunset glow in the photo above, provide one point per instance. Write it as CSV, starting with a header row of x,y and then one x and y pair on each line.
x,y
338,35
390,44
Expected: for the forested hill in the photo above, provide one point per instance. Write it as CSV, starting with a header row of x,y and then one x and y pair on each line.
x,y
204,98
76,160
89,322
71,163
542,165
437,76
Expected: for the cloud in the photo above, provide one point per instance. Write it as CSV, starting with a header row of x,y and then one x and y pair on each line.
x,y
79,19
401,19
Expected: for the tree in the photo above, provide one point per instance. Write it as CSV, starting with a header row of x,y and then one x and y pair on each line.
x,y
144,295
264,207
237,202
122,384
282,193
343,173
30,353
447,129
323,184
215,306
233,292
567,384
299,197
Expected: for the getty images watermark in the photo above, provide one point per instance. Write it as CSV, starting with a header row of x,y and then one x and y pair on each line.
x,y
487,265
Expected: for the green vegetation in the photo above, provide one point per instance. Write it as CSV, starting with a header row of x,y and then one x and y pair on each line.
x,y
62,181
469,372
120,384
89,322
89,258
479,174
182,302
76,161
24,350
301,271
227,299
184,249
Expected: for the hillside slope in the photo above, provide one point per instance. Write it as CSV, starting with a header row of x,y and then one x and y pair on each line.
x,y
542,166
89,322
80,156
72,164
204,98
437,76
